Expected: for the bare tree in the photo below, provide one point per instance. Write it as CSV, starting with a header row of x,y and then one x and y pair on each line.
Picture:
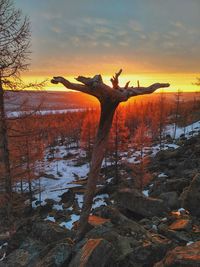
x,y
177,111
14,50
109,98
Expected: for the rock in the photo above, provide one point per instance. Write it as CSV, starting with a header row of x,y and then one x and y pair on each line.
x,y
27,255
137,203
169,185
67,197
168,154
146,252
171,199
188,256
58,256
95,252
181,224
190,198
96,220
49,232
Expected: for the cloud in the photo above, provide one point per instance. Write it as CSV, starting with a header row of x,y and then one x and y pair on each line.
x,y
135,26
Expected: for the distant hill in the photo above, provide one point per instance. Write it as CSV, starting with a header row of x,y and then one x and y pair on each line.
x,y
28,100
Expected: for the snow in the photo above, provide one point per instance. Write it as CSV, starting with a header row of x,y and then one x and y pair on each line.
x,y
181,209
189,243
50,218
162,175
14,114
145,192
53,188
79,199
57,207
109,180
183,130
99,201
69,224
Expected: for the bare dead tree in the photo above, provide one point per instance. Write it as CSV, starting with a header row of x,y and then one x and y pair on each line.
x,y
14,51
109,98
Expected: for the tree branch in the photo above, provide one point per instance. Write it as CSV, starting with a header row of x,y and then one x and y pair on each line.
x,y
134,91
115,81
86,88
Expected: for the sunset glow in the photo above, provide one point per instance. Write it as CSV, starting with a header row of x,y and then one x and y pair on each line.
x,y
178,81
152,41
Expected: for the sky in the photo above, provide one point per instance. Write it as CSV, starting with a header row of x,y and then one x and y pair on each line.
x,y
151,40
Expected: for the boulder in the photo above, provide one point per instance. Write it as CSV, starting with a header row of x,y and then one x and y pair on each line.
x,y
58,256
49,232
95,252
67,198
149,252
188,256
137,203
169,185
181,224
171,199
27,254
190,197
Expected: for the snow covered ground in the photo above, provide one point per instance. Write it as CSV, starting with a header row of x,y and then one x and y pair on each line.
x,y
191,129
15,114
64,172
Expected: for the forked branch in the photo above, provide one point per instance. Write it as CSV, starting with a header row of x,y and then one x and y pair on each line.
x,y
115,79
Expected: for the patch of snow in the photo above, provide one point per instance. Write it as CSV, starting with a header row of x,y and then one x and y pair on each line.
x,y
57,207
98,200
181,209
14,114
50,218
154,227
193,127
145,192
109,180
162,175
53,188
189,243
79,199
42,203
164,219
69,224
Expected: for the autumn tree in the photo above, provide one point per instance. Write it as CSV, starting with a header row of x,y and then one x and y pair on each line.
x,y
177,111
142,140
118,139
14,50
26,146
88,132
109,98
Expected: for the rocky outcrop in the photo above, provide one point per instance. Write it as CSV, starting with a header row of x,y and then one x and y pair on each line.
x,y
58,256
49,232
170,199
28,254
134,201
95,252
190,198
188,256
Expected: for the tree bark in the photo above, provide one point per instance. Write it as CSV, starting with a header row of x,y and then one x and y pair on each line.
x,y
107,112
4,145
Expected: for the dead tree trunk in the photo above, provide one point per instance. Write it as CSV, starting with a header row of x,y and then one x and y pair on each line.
x,y
107,113
109,97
